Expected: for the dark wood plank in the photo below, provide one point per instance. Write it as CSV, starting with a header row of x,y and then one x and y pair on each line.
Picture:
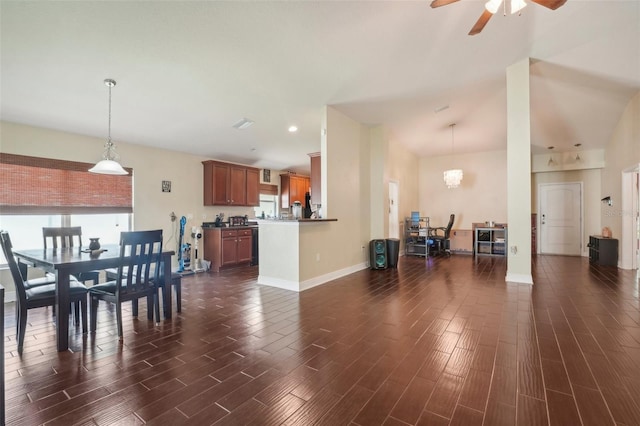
x,y
462,346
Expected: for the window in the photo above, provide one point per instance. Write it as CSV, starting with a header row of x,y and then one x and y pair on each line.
x,y
37,192
26,230
268,205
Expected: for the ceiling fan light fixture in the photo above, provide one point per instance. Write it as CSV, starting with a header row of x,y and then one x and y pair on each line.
x,y
517,6
492,6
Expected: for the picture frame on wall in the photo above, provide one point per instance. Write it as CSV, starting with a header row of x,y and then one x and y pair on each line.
x,y
266,175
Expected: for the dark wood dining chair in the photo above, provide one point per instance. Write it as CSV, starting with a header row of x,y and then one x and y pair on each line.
x,y
37,296
140,256
176,283
68,236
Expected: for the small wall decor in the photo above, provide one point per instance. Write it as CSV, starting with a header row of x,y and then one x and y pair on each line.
x,y
266,175
166,186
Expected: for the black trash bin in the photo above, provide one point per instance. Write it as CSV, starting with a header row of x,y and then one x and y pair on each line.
x,y
393,249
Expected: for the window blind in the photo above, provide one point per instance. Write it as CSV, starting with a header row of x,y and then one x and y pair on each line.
x,y
34,185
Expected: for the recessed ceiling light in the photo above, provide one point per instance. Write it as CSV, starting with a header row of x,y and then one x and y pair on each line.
x,y
293,129
243,124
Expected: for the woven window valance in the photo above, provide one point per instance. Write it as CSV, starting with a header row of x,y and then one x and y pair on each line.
x,y
34,185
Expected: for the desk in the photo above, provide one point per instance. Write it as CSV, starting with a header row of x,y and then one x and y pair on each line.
x,y
69,261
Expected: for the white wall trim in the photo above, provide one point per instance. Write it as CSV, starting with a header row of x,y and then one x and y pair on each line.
x,y
519,278
628,213
278,282
312,282
334,275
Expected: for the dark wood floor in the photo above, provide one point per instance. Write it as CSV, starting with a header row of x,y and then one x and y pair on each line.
x,y
446,342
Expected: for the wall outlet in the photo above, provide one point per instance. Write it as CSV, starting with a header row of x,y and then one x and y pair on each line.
x,y
514,250
172,216
317,257
189,216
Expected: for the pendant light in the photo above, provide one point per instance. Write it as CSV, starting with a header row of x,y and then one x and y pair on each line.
x,y
109,164
452,177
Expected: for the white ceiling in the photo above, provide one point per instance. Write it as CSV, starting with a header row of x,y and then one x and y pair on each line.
x,y
187,71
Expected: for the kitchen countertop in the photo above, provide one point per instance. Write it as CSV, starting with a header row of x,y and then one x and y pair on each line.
x,y
296,220
226,226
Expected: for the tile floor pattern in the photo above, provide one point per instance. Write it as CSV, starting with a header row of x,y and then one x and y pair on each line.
x,y
442,342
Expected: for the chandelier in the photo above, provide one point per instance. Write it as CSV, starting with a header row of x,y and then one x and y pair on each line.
x,y
452,177
109,164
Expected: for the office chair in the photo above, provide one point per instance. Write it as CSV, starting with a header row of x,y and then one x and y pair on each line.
x,y
441,237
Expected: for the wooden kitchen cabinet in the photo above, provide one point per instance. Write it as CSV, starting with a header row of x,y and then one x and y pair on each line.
x,y
227,247
253,187
230,184
316,178
292,188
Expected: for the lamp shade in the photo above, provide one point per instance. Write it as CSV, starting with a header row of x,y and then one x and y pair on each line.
x,y
517,5
108,167
492,6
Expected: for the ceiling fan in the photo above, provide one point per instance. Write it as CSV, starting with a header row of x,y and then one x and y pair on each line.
x,y
492,7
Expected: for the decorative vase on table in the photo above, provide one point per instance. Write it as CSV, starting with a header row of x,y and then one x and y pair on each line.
x,y
94,244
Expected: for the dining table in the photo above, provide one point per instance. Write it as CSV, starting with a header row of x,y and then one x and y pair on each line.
x,y
65,262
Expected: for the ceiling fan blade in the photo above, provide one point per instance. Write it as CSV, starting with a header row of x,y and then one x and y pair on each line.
x,y
438,3
481,22
551,4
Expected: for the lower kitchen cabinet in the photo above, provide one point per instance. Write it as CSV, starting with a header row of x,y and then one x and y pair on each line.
x,y
227,247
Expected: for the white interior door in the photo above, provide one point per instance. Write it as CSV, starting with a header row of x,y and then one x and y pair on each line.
x,y
560,215
394,232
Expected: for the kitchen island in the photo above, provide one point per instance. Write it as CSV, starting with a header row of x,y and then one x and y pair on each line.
x,y
291,256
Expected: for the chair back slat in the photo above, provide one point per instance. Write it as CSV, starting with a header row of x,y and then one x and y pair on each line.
x,y
63,237
447,231
141,252
18,280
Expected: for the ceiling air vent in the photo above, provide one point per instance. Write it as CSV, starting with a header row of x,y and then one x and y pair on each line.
x,y
243,124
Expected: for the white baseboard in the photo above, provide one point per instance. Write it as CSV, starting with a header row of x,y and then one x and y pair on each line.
x,y
312,282
279,283
316,281
519,278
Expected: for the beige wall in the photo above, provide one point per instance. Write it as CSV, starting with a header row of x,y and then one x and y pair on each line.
x,y
482,195
622,152
379,196
390,161
151,166
345,148
402,167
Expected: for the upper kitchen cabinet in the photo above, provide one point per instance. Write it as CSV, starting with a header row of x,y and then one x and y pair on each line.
x,y
292,188
228,184
253,187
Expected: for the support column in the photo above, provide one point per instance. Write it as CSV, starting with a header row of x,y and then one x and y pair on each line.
x,y
519,173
